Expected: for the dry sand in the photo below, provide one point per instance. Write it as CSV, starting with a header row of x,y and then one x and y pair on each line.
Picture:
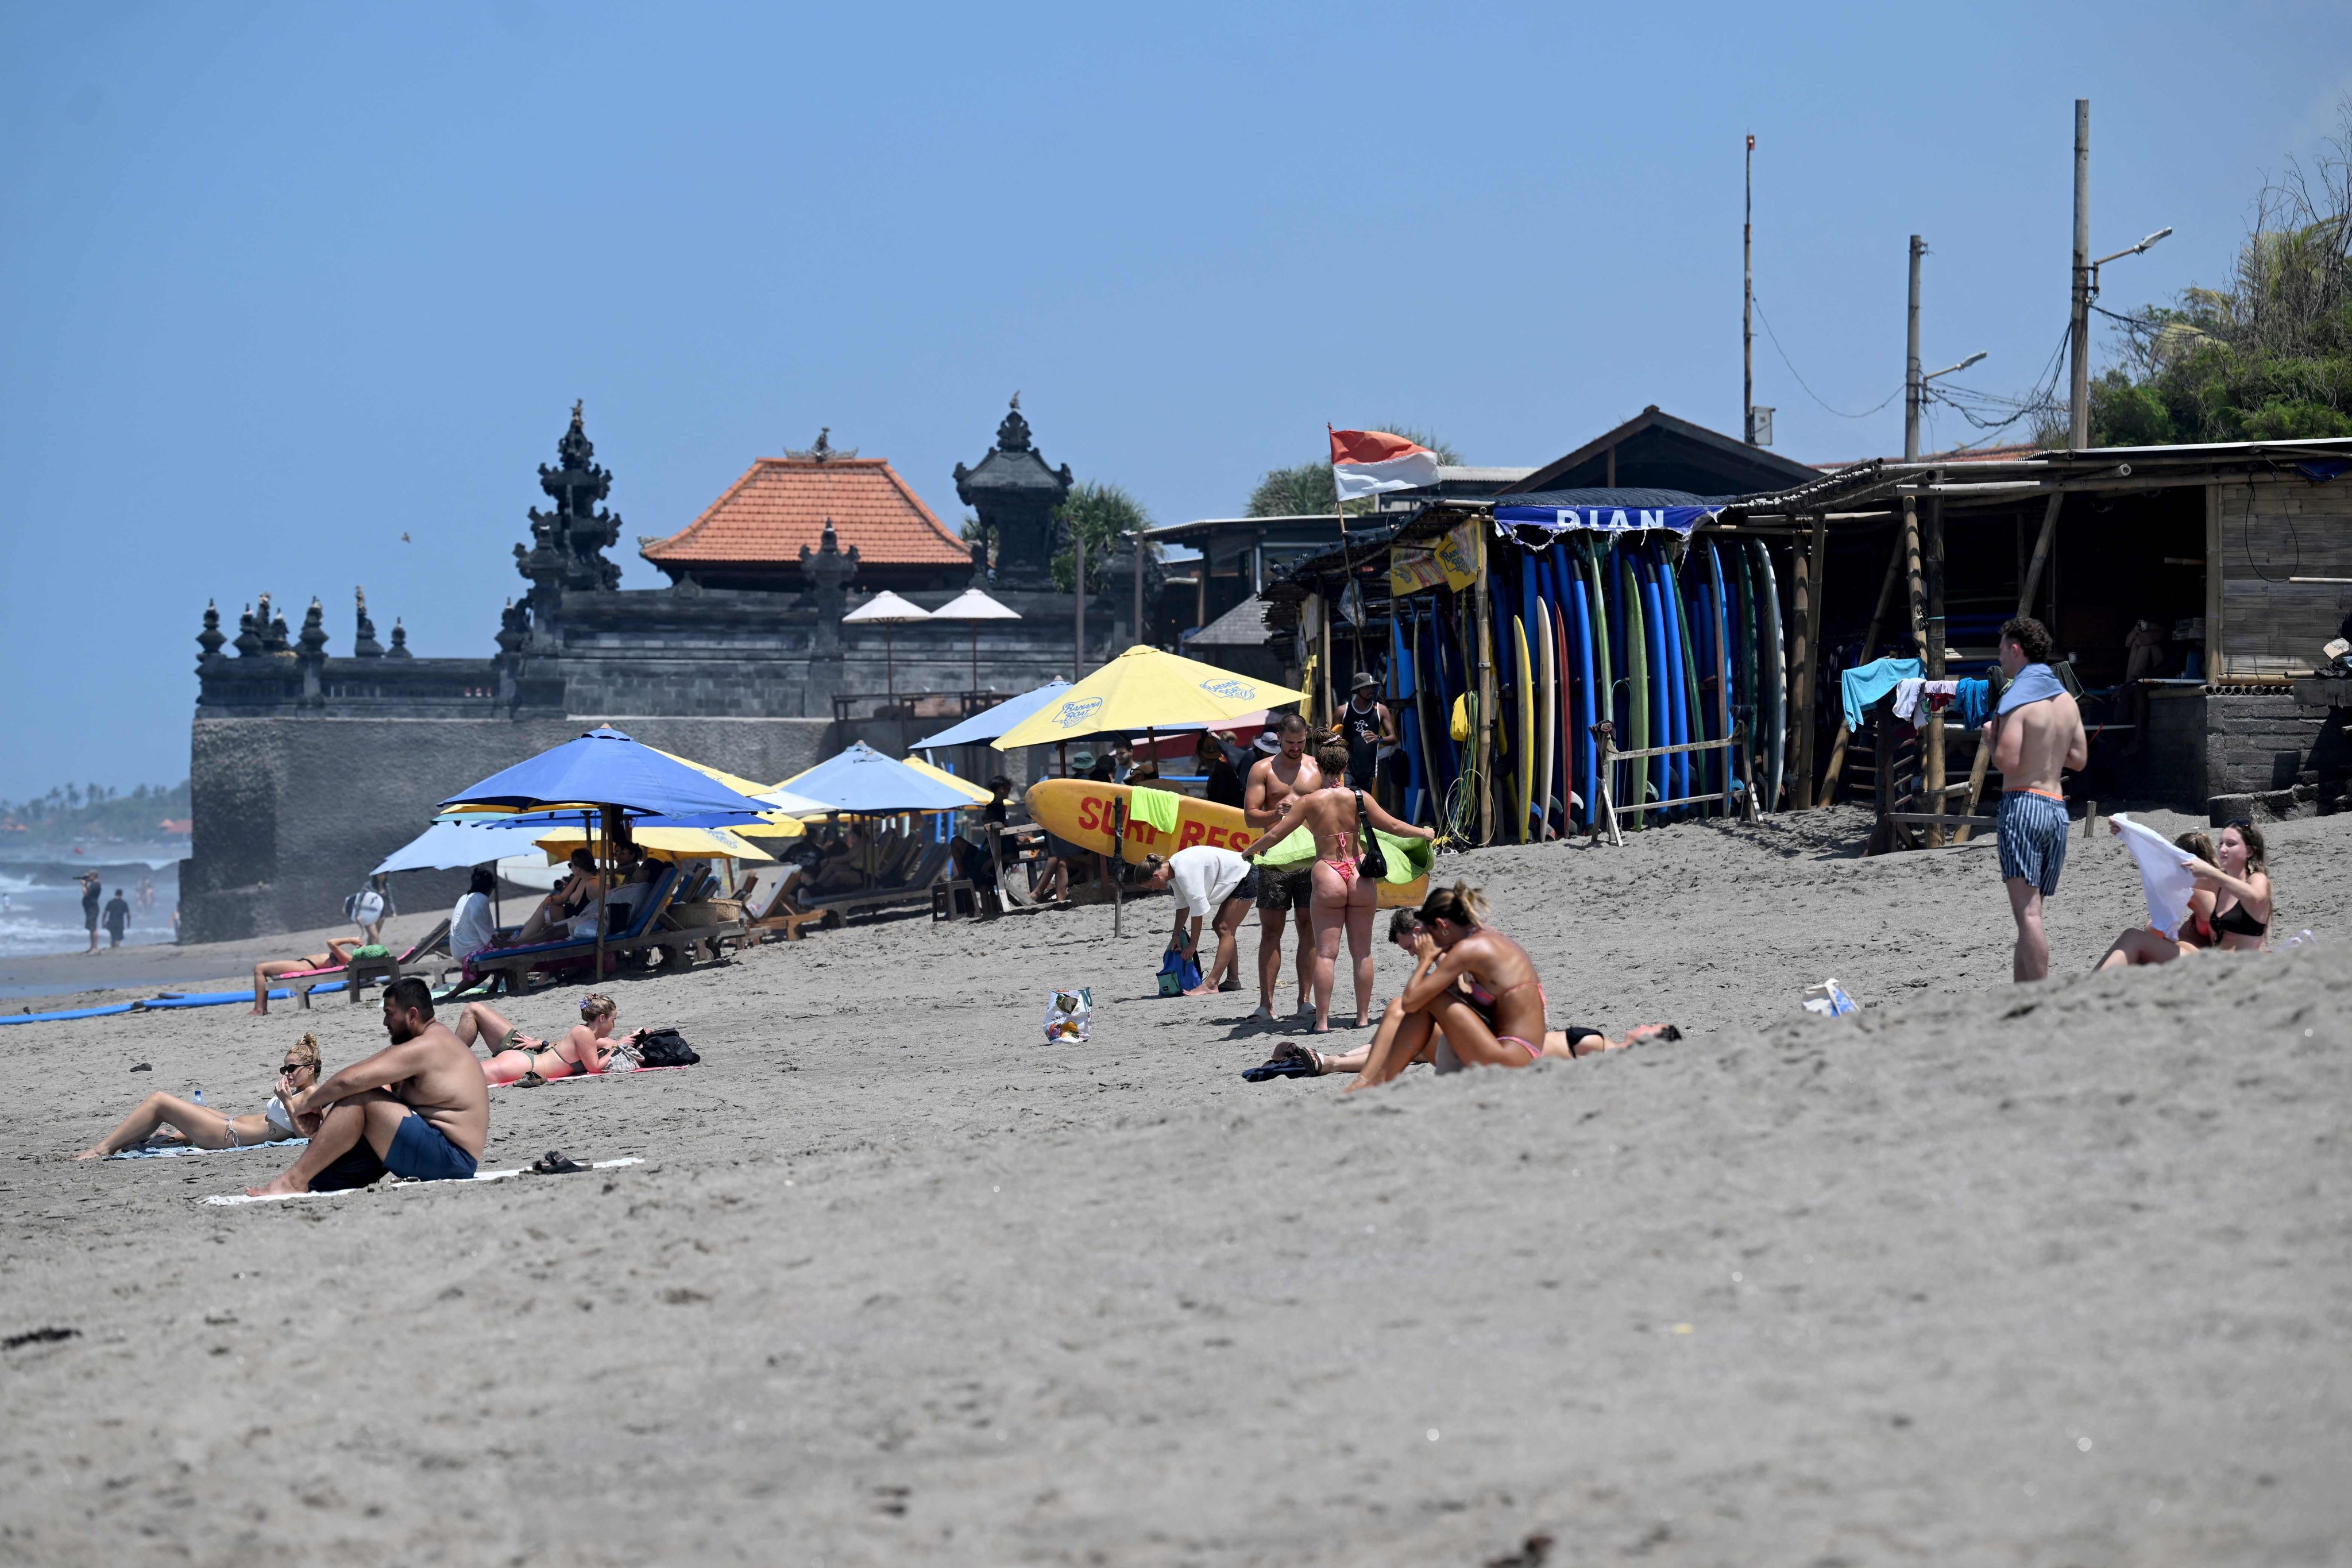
x,y
2053,1276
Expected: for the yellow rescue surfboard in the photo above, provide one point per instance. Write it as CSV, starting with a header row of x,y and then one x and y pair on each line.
x,y
1082,810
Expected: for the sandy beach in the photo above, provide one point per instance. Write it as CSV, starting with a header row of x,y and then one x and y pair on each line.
x,y
1982,1274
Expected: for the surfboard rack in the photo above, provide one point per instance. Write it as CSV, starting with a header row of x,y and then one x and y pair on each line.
x,y
1605,734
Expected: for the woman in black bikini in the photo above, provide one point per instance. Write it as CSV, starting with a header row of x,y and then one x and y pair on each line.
x,y
2241,887
586,1050
2145,944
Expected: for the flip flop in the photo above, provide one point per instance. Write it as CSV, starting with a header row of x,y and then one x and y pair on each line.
x,y
531,1081
1287,1061
554,1163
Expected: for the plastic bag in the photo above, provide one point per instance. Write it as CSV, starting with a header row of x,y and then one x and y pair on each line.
x,y
1828,999
1069,1017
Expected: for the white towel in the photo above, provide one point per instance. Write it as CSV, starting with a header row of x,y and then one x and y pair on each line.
x,y
2163,874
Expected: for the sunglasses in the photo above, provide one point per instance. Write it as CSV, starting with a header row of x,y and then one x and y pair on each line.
x,y
293,1067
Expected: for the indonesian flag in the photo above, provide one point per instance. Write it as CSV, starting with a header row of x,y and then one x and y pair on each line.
x,y
1366,462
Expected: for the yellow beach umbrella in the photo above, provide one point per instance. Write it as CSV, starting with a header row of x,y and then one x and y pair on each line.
x,y
772,824
1144,689
961,786
664,843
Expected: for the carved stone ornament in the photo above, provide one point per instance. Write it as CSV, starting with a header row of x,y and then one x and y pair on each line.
x,y
364,643
822,451
210,639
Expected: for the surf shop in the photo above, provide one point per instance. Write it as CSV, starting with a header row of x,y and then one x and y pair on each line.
x,y
1605,600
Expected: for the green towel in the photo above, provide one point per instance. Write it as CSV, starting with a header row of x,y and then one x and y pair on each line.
x,y
1408,859
1156,806
373,950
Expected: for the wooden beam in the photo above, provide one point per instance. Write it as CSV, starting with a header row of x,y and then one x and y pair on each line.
x,y
1869,646
1931,762
2216,660
1809,562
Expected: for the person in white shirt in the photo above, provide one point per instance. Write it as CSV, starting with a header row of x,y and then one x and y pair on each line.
x,y
1211,884
471,926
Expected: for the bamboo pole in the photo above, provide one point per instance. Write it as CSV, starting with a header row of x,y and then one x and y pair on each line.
x,y
2025,591
1808,563
1931,765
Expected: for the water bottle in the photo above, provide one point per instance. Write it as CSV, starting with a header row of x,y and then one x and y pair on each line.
x,y
197,1097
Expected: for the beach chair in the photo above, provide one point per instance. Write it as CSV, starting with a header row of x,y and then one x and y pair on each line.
x,y
361,972
510,968
915,889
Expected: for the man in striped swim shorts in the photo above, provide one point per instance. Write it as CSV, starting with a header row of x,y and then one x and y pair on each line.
x,y
2035,734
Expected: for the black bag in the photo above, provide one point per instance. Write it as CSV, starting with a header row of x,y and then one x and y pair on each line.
x,y
1374,863
665,1048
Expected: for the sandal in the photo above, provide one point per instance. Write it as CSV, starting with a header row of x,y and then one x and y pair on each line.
x,y
1290,1059
531,1081
554,1163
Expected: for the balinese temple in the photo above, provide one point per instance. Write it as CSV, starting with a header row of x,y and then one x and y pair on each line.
x,y
742,660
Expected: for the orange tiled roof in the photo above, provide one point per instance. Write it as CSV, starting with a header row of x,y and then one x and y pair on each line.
x,y
781,503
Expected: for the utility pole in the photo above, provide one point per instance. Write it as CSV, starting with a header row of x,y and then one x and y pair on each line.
x,y
2078,415
1912,386
1748,306
1078,582
1139,636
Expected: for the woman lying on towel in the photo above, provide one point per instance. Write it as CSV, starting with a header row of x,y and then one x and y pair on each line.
x,y
2145,944
208,1129
339,953
588,1049
1291,1060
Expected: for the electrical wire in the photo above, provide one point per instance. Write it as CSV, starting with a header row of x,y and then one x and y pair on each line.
x,y
1801,380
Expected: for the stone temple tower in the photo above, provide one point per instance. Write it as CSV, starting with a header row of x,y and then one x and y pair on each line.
x,y
568,544
1016,493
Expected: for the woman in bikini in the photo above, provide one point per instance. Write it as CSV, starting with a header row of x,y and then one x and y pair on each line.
x,y
1496,1019
580,894
205,1128
2240,879
586,1050
2145,944
339,953
1343,899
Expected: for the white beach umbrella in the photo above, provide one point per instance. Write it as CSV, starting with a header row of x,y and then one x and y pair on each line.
x,y
975,606
888,609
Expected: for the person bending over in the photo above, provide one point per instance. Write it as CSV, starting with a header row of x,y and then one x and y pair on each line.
x,y
1344,901
1211,884
586,1050
418,1108
201,1127
2145,944
339,953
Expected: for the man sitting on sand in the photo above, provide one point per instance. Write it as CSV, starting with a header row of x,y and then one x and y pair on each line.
x,y
1211,884
339,953
419,1108
2035,732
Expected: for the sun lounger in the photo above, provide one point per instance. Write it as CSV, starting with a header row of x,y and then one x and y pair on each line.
x,y
361,972
914,888
510,968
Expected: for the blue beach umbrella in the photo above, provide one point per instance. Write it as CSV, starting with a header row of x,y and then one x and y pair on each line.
x,y
991,723
862,781
605,769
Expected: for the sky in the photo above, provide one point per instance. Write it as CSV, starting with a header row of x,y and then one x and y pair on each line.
x,y
283,283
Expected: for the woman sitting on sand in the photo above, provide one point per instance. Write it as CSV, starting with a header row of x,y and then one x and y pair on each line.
x,y
339,953
1343,899
587,1049
206,1128
2145,944
1291,1060
1498,1022
2241,880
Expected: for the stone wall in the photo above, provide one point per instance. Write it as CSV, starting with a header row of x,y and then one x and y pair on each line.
x,y
291,812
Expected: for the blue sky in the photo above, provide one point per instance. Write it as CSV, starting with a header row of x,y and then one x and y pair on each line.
x,y
282,282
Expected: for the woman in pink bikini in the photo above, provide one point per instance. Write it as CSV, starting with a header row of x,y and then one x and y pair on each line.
x,y
587,1048
1343,899
1494,1017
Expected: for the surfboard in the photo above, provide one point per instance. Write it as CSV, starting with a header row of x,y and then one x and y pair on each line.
x,y
1720,611
1772,665
1670,633
1660,673
1601,707
1579,730
1433,803
1637,678
1694,713
1546,721
1082,810
1744,669
1523,751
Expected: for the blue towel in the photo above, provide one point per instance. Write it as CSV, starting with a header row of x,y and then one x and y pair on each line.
x,y
173,1151
1866,683
1972,704
2034,683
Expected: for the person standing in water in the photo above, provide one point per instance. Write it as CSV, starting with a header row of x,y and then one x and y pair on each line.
x,y
118,917
2036,734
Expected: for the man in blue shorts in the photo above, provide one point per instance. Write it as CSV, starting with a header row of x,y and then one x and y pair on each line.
x,y
2035,734
419,1108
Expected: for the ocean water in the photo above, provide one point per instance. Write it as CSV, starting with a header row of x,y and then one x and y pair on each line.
x,y
40,902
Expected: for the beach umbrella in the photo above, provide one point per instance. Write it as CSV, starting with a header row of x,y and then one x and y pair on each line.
x,y
991,723
781,822
965,787
862,781
974,607
1144,689
454,846
606,774
890,609
662,843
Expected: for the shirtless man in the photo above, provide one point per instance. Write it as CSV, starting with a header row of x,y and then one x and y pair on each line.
x,y
1272,782
419,1108
1343,899
2036,733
